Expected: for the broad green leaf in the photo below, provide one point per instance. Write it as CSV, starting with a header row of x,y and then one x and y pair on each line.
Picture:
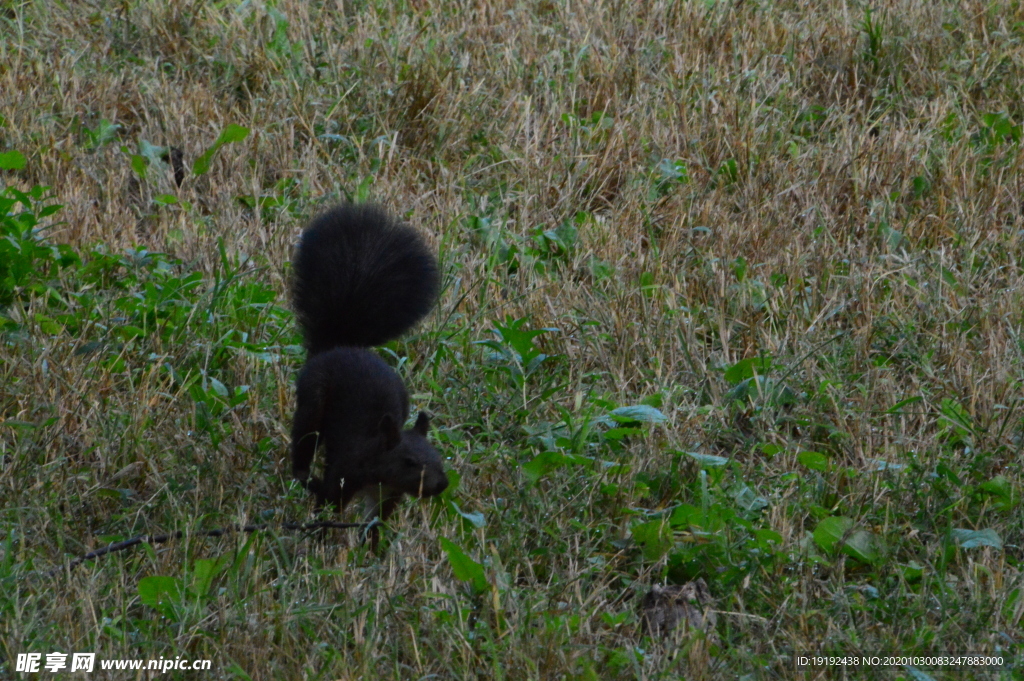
x,y
203,572
49,326
830,530
232,133
12,160
834,532
153,153
748,368
465,568
544,463
477,519
641,413
161,593
615,434
956,414
816,461
864,546
747,499
104,133
708,460
139,165
218,387
685,515
886,465
999,486
1002,489
970,539
912,571
655,538
768,540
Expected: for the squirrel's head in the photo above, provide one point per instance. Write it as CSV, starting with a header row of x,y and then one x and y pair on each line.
x,y
410,463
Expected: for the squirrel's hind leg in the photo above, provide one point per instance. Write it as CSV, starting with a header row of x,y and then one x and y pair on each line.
x,y
305,438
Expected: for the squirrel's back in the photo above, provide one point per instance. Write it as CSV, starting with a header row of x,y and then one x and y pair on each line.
x,y
361,278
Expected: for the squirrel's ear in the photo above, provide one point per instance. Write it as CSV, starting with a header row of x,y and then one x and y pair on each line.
x,y
422,424
390,431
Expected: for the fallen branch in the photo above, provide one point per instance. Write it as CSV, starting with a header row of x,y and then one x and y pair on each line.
x,y
219,532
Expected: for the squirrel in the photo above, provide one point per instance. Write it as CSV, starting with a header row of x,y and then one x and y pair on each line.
x,y
360,278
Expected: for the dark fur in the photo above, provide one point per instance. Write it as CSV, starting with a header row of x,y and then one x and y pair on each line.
x,y
361,279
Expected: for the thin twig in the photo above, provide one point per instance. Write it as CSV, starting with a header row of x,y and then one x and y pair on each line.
x,y
218,532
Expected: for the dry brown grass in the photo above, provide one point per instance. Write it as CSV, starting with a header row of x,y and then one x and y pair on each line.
x,y
847,213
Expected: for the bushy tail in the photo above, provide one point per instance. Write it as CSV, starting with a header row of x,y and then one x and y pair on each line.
x,y
361,278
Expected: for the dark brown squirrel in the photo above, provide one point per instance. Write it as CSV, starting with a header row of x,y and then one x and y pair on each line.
x,y
361,278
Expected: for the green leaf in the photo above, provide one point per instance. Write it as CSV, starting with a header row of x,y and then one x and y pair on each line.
x,y
655,538
465,568
834,533
898,407
49,326
129,331
747,499
673,171
755,386
161,593
12,160
1001,488
864,546
768,540
202,164
232,133
830,531
953,412
970,539
218,387
816,461
708,460
477,519
542,464
730,171
912,571
139,165
686,515
203,572
364,192
104,133
886,465
638,413
599,269
616,434
153,153
748,368
944,471
656,400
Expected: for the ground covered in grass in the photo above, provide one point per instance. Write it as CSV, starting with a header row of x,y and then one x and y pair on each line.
x,y
732,291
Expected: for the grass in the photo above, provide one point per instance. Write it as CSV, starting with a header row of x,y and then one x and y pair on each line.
x,y
732,291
